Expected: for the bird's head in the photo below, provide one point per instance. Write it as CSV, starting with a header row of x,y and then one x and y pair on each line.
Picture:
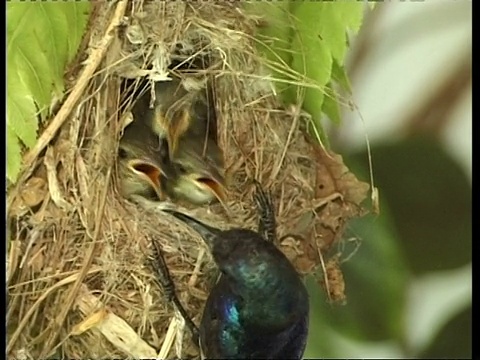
x,y
199,179
241,254
140,167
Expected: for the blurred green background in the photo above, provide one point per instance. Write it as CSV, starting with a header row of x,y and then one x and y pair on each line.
x,y
408,285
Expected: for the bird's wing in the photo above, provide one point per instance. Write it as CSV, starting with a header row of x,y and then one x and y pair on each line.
x,y
220,334
295,341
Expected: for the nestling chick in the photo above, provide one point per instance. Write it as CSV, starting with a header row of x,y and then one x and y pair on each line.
x,y
198,177
259,308
141,163
185,123
171,114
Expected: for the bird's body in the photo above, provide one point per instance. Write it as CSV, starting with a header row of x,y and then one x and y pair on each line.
x,y
141,163
198,172
259,308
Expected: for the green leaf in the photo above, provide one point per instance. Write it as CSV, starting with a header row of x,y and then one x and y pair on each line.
x,y
433,188
77,14
310,38
41,38
320,41
27,63
311,57
274,36
47,29
331,106
21,110
454,341
350,14
434,299
14,158
340,76
376,278
327,341
339,17
329,21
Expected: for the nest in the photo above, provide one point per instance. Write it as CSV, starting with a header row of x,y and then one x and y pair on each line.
x,y
80,283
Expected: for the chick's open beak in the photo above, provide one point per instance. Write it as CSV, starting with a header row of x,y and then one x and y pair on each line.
x,y
176,129
215,187
150,171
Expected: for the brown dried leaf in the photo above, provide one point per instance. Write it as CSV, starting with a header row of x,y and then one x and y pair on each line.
x,y
31,194
334,176
334,282
34,191
17,208
89,322
51,162
304,265
113,327
339,195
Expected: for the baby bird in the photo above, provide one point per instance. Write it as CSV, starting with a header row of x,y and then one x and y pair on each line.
x,y
171,114
198,175
185,124
259,308
141,163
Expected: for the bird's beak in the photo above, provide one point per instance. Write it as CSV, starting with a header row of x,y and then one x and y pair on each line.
x,y
151,171
213,181
215,187
179,125
208,233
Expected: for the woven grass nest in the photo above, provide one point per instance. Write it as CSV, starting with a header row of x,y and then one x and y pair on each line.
x,y
80,283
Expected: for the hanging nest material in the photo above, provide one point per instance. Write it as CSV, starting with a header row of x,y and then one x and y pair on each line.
x,y
80,282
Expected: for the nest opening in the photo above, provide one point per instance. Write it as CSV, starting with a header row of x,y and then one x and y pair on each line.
x,y
80,282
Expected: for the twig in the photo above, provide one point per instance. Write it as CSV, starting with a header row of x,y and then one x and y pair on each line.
x,y
193,279
53,183
325,275
33,238
179,335
169,337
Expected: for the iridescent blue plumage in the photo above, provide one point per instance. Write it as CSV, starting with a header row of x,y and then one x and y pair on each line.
x,y
259,307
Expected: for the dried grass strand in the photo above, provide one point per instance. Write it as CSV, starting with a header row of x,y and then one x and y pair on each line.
x,y
87,262
33,308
